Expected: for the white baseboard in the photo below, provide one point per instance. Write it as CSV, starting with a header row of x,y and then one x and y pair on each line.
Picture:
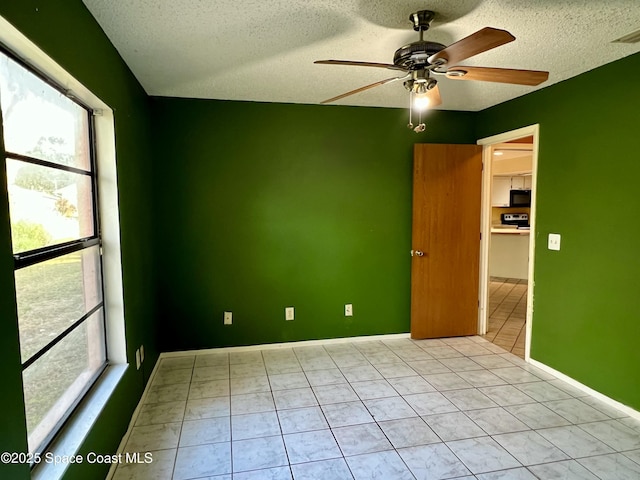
x,y
574,383
303,343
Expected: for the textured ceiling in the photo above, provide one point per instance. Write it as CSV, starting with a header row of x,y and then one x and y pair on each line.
x,y
264,50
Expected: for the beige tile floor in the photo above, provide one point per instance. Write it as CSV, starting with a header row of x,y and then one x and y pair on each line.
x,y
395,409
507,314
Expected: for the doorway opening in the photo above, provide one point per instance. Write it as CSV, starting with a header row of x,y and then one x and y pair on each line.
x,y
507,242
507,314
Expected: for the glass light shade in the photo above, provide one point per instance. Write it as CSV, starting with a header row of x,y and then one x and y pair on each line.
x,y
421,102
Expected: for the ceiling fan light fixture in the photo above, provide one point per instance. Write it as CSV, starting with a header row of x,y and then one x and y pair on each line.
x,y
421,102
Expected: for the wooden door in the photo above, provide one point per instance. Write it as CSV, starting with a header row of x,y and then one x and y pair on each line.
x,y
446,231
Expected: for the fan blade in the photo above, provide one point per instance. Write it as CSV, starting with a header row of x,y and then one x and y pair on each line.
x,y
366,87
476,43
500,75
360,64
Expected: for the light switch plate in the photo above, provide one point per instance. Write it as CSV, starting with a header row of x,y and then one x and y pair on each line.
x,y
348,310
138,359
554,241
228,318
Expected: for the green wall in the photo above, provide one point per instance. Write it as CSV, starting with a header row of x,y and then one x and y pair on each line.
x,y
66,32
263,206
586,320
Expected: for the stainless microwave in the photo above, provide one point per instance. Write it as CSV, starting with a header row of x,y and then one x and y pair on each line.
x,y
520,198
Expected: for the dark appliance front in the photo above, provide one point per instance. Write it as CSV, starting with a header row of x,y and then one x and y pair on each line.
x,y
520,198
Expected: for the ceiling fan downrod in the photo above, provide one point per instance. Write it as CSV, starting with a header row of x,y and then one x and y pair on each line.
x,y
422,20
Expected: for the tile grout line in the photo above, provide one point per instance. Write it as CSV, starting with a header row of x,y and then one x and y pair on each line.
x,y
325,415
284,445
175,460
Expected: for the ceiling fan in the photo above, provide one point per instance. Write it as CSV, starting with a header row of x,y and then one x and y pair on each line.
x,y
422,60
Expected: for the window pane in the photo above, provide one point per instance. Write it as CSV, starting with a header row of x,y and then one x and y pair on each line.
x,y
39,121
47,206
54,382
52,295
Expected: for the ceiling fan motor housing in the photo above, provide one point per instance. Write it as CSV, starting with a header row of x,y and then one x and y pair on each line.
x,y
414,55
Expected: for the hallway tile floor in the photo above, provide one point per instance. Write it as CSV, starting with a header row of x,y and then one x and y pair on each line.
x,y
507,314
395,409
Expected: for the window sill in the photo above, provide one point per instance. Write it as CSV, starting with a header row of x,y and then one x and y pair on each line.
x,y
79,425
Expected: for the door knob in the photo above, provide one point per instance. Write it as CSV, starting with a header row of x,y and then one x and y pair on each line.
x,y
417,253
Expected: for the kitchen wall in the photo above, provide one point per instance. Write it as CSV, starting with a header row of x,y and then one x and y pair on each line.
x,y
66,32
264,206
513,166
585,319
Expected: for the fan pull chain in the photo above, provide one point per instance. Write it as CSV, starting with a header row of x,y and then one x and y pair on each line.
x,y
410,124
421,126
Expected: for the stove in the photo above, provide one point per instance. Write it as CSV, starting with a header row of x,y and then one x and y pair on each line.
x,y
517,219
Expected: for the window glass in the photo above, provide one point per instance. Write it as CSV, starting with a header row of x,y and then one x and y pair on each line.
x,y
58,268
52,295
53,383
39,121
47,206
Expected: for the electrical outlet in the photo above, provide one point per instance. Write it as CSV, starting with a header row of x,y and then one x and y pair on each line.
x,y
348,310
228,318
289,313
138,359
141,353
554,241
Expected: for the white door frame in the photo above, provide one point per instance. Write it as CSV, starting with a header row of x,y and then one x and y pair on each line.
x,y
485,228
